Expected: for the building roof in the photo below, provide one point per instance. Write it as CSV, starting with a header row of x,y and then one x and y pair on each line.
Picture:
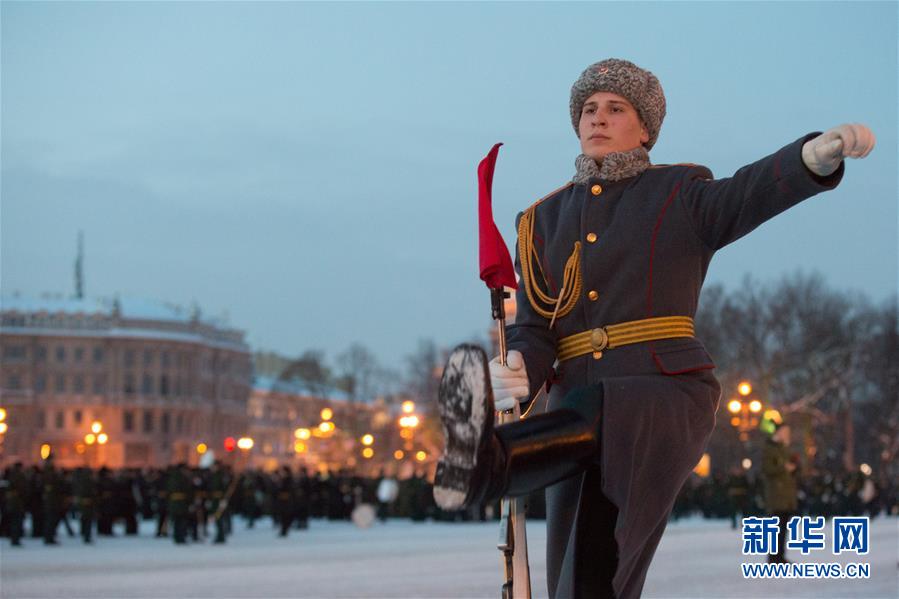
x,y
129,307
133,320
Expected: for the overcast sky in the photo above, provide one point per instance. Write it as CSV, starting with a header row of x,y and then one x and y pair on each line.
x,y
311,168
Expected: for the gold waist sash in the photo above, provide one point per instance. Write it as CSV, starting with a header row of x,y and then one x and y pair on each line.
x,y
624,333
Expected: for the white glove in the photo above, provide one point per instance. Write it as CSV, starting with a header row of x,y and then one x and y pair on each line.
x,y
509,382
823,154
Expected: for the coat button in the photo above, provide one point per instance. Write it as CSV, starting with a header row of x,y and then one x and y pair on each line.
x,y
596,190
593,296
591,237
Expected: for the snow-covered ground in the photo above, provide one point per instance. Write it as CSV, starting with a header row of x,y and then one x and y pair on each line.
x,y
697,559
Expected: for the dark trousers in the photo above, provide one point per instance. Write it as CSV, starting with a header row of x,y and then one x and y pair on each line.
x,y
51,521
597,550
16,527
87,525
286,518
180,525
781,537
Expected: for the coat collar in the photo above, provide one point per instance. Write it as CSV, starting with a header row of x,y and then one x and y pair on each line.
x,y
614,167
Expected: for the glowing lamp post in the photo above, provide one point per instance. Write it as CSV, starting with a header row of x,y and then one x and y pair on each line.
x,y
95,439
744,410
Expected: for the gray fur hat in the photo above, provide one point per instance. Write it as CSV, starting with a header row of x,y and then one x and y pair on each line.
x,y
640,87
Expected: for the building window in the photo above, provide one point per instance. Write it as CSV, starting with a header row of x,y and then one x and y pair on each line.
x,y
148,357
98,355
41,419
128,386
147,385
60,383
61,354
14,353
165,422
40,383
148,421
60,419
76,416
166,359
164,386
179,423
14,382
40,354
78,384
128,421
129,357
99,384
79,354
177,387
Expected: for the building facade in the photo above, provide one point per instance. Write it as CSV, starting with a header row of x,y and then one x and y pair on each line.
x,y
157,379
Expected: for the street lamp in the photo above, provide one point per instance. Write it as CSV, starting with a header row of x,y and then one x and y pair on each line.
x,y
745,410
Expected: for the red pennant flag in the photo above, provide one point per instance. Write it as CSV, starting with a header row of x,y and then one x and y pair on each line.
x,y
496,264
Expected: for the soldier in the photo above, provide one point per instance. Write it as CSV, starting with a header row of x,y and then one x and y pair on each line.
x,y
15,500
106,504
303,493
249,501
160,484
738,493
284,498
35,502
778,470
51,494
180,496
85,491
611,267
218,486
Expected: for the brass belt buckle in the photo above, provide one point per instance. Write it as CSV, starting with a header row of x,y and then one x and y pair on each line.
x,y
599,340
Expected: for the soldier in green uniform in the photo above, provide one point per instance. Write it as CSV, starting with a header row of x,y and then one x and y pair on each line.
x,y
106,508
284,500
14,501
779,479
180,495
218,486
85,490
51,495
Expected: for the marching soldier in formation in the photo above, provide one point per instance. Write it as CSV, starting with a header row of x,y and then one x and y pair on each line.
x,y
14,502
219,482
51,493
284,500
179,492
105,502
85,491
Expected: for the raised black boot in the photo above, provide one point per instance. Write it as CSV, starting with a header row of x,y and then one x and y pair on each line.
x,y
482,463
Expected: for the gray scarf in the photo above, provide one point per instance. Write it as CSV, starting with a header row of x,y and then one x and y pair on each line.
x,y
614,167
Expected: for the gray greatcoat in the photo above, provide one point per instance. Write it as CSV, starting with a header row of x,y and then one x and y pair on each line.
x,y
656,234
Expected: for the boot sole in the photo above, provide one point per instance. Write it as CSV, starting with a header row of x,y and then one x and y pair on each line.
x,y
466,411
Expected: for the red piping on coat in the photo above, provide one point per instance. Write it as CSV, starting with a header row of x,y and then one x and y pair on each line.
x,y
652,251
652,247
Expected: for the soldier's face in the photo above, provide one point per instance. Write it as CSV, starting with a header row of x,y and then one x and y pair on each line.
x,y
609,123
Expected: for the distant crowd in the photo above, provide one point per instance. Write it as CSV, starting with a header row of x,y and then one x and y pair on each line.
x,y
821,494
199,504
